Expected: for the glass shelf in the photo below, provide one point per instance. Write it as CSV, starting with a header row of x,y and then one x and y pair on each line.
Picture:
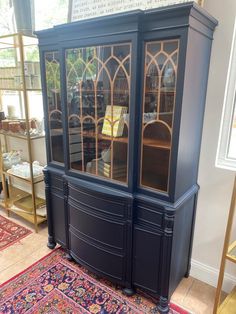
x,y
15,196
20,89
154,91
36,179
105,137
229,304
231,255
104,91
156,143
28,217
20,136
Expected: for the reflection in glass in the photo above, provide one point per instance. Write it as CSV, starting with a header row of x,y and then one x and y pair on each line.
x,y
98,89
11,79
161,60
54,105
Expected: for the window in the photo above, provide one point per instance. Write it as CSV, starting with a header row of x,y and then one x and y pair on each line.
x,y
226,152
45,16
6,18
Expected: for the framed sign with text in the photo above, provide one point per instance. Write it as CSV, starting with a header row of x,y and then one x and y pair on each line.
x,y
83,9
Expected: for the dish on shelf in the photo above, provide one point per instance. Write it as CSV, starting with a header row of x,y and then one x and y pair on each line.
x,y
149,116
23,170
19,127
11,158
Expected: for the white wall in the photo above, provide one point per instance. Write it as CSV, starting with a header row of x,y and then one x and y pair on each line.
x,y
215,184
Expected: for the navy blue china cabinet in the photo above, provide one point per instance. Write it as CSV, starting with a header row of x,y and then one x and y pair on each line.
x,y
124,102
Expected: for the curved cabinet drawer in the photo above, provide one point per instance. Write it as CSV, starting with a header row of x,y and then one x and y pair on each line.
x,y
97,258
96,228
149,214
56,183
99,231
99,199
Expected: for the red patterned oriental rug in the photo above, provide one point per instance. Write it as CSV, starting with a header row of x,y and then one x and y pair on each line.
x,y
10,232
54,285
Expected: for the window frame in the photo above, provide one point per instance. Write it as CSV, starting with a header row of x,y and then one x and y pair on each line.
x,y
223,160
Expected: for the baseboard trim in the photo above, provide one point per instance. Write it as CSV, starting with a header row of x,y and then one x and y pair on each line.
x,y
210,274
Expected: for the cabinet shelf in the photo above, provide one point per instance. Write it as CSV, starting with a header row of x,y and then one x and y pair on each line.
x,y
156,143
36,179
231,255
28,217
20,136
20,89
16,195
162,90
147,142
105,137
114,91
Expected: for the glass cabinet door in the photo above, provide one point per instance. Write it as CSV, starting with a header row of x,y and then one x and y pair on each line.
x,y
52,66
161,61
98,97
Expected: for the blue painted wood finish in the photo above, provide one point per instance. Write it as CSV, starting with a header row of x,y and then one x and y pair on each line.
x,y
133,235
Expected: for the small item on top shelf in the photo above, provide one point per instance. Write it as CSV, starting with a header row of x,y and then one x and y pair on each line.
x,y
33,124
14,126
5,125
35,127
11,111
2,115
23,125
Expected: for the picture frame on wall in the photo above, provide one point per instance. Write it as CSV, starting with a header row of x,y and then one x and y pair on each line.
x,y
81,10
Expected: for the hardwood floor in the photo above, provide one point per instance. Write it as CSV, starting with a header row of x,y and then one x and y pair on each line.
x,y
192,294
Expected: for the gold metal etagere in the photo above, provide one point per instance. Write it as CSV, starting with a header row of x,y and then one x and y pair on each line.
x,y
12,194
228,306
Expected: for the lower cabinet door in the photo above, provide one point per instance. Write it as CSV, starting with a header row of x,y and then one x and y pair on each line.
x,y
58,217
58,213
147,259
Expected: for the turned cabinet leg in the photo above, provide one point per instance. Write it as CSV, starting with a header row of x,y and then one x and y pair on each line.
x,y
128,291
69,257
163,306
51,242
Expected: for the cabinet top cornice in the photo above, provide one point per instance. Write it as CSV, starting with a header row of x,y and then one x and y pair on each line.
x,y
173,16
